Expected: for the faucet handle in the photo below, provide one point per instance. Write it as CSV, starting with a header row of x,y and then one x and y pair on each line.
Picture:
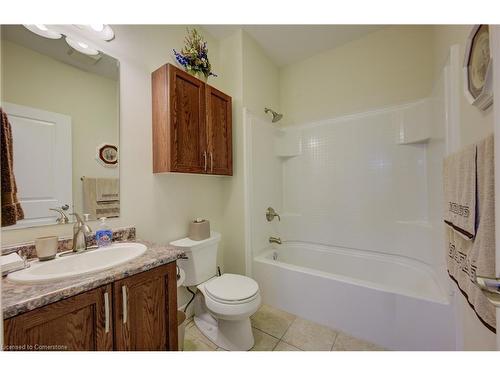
x,y
276,240
271,214
62,219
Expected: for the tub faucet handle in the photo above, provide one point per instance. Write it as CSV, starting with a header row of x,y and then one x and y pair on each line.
x,y
271,214
276,240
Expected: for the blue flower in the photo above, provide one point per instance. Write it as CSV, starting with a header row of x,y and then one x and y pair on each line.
x,y
181,59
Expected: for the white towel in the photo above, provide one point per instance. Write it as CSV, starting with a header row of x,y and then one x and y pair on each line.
x,y
107,189
101,197
11,262
459,182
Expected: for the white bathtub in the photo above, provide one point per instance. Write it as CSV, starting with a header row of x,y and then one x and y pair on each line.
x,y
392,301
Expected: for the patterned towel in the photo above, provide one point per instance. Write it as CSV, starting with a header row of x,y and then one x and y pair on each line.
x,y
11,208
468,258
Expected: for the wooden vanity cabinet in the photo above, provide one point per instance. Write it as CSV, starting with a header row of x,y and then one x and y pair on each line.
x,y
192,124
145,312
81,322
135,313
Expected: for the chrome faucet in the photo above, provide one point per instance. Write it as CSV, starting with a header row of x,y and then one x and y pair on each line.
x,y
271,214
80,230
276,240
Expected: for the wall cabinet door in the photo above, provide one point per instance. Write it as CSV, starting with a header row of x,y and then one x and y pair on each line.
x,y
219,130
192,124
146,310
82,322
179,128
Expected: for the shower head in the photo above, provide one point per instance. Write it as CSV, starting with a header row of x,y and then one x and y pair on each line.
x,y
276,116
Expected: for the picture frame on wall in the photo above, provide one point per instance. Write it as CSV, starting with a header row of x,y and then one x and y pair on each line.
x,y
107,155
477,68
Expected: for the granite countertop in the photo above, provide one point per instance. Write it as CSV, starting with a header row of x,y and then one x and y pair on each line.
x,y
18,298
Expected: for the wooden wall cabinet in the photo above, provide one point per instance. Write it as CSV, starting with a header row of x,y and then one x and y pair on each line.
x,y
135,313
192,125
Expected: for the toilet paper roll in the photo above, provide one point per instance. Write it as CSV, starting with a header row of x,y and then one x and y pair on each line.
x,y
199,229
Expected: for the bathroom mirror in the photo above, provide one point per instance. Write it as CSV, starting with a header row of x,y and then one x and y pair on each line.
x,y
63,108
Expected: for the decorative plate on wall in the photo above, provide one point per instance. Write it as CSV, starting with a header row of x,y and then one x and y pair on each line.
x,y
107,155
477,68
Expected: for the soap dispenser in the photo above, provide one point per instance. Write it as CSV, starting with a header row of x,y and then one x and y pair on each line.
x,y
104,234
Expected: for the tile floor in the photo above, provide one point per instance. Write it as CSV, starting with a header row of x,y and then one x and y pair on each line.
x,y
277,330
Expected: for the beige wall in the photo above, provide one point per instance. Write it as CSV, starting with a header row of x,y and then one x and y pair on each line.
x,y
390,66
260,78
474,125
253,80
232,64
36,80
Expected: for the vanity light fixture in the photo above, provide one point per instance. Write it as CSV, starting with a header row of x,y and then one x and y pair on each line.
x,y
95,31
100,31
82,47
43,30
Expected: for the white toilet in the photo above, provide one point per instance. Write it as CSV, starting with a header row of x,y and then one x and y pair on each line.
x,y
224,303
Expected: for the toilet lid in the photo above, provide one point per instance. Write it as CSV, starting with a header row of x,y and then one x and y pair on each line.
x,y
230,287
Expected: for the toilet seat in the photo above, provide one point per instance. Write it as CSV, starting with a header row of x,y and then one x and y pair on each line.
x,y
232,289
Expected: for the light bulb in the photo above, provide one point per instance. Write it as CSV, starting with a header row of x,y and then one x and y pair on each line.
x,y
102,31
97,27
82,47
43,30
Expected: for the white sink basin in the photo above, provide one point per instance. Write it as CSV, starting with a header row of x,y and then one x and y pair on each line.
x,y
63,267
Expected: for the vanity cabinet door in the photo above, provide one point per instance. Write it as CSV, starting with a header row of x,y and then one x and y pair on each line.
x,y
82,322
146,310
219,130
179,122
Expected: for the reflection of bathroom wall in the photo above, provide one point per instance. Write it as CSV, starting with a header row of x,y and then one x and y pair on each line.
x,y
36,80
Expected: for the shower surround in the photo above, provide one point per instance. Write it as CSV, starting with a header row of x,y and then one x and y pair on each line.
x,y
360,200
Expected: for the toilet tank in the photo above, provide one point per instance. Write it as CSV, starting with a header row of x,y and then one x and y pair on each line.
x,y
201,264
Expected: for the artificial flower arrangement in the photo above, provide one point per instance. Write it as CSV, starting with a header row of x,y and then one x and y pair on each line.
x,y
194,55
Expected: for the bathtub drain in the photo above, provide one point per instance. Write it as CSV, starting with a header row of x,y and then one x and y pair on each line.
x,y
275,255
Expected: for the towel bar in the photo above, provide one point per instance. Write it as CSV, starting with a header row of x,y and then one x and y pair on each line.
x,y
490,286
